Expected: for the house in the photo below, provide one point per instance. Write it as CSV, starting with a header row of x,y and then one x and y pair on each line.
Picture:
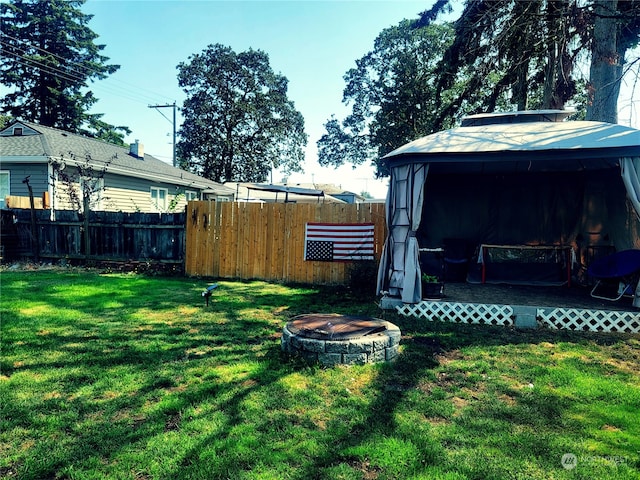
x,y
334,191
298,192
280,193
337,192
530,181
61,167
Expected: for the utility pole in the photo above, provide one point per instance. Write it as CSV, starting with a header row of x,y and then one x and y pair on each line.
x,y
174,125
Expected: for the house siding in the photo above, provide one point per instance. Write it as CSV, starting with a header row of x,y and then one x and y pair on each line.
x,y
130,194
38,178
62,195
126,194
10,132
121,193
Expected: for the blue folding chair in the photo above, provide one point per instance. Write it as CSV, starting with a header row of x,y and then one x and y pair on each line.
x,y
622,268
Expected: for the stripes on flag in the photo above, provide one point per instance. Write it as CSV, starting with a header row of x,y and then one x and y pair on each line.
x,y
338,242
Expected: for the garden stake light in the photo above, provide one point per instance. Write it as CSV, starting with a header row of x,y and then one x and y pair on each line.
x,y
208,292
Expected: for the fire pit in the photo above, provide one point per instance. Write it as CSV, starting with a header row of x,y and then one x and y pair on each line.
x,y
333,339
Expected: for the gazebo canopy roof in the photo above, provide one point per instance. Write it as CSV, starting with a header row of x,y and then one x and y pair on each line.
x,y
534,140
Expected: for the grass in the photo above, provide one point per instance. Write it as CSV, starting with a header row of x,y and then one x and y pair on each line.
x,y
121,376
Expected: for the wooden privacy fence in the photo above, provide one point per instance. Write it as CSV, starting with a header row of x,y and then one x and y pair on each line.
x,y
266,241
104,236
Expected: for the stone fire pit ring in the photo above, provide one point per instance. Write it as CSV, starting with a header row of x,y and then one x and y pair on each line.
x,y
333,339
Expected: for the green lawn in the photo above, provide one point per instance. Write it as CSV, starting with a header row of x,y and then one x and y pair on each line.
x,y
122,376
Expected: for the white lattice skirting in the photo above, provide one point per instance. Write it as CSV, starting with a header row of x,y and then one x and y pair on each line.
x,y
549,317
589,320
479,313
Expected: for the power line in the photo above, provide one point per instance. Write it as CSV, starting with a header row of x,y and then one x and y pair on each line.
x,y
67,76
29,64
59,73
90,70
50,69
62,60
64,75
34,47
74,70
174,124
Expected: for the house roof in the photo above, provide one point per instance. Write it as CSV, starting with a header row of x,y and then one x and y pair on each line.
x,y
523,141
327,188
284,189
280,193
52,143
332,189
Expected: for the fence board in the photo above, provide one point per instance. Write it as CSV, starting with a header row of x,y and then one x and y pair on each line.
x,y
189,232
266,241
113,236
296,242
214,243
224,222
276,235
245,234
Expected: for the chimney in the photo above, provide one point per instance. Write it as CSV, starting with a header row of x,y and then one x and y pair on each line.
x,y
137,149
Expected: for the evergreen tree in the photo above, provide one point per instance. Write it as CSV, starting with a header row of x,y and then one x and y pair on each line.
x,y
48,59
616,31
532,50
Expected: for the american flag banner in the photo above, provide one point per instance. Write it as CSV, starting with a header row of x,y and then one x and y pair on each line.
x,y
338,242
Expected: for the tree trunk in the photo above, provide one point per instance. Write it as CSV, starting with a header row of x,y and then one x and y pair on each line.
x,y
35,233
604,74
553,21
86,207
520,87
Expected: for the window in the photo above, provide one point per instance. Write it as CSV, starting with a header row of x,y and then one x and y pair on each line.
x,y
190,195
5,187
17,131
159,199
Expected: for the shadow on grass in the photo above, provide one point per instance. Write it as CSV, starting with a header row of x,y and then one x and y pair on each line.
x,y
134,364
378,422
527,427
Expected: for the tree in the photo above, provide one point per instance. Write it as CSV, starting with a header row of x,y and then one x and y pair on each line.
x,y
366,195
238,122
79,182
523,51
101,130
5,120
616,30
499,55
392,94
533,50
48,58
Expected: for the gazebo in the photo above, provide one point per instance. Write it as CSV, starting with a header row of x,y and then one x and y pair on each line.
x,y
529,178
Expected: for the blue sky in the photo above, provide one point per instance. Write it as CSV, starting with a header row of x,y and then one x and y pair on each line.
x,y
312,43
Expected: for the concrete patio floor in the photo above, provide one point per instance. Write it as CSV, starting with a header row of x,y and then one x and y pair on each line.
x,y
541,296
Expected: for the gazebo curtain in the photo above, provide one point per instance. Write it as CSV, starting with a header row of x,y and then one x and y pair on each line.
x,y
399,272
630,168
